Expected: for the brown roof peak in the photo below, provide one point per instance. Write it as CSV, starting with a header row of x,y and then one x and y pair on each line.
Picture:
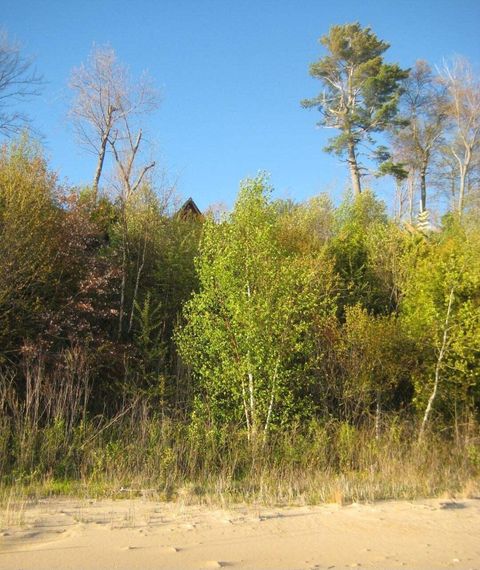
x,y
189,208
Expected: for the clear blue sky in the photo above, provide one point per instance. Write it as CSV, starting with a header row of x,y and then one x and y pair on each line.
x,y
231,73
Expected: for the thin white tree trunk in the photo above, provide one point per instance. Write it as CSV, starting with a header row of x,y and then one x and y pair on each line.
x,y
461,194
141,265
251,388
272,399
245,408
441,355
411,192
463,167
253,421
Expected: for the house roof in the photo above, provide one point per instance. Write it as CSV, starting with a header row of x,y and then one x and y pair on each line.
x,y
189,208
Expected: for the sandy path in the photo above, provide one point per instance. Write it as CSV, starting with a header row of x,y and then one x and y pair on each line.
x,y
138,534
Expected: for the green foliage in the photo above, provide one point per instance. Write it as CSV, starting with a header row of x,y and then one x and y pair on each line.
x,y
360,92
29,241
395,169
307,227
248,330
151,345
440,267
287,313
357,245
347,446
284,351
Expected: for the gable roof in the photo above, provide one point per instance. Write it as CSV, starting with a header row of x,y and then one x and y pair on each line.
x,y
189,208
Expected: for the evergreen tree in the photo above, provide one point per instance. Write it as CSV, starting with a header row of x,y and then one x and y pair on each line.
x,y
360,92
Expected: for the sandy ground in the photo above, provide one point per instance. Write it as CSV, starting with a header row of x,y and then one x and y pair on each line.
x,y
140,534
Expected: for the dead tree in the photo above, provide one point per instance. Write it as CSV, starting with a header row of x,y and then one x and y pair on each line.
x,y
105,99
464,110
18,83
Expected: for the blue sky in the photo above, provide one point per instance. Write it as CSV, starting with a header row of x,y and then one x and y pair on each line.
x,y
231,74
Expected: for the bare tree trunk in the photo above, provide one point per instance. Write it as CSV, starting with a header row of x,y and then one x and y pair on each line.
x,y
253,419
398,202
403,205
245,407
354,170
141,265
98,171
126,167
463,169
251,390
441,354
103,150
411,192
461,193
423,185
124,270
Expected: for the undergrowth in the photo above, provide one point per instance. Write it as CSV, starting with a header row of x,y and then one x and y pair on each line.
x,y
141,454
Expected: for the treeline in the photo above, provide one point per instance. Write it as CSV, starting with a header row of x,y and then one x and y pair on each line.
x,y
429,119
107,277
276,316
142,343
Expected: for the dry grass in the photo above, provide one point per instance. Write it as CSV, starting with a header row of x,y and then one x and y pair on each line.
x,y
13,503
51,446
163,460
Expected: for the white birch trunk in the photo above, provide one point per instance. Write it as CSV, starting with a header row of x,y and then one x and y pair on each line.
x,y
441,355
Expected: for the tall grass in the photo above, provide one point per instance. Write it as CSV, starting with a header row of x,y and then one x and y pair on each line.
x,y
49,444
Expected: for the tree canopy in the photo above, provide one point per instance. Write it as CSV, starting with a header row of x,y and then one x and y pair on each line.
x,y
360,91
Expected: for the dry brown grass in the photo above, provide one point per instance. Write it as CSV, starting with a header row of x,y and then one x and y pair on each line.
x,y
51,446
163,460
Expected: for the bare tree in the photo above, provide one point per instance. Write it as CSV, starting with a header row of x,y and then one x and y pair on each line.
x,y
105,102
126,148
464,110
423,108
18,83
106,110
126,140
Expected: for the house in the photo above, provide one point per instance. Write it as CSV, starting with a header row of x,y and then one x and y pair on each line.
x,y
189,210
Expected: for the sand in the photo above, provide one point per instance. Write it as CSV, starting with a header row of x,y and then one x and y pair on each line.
x,y
140,534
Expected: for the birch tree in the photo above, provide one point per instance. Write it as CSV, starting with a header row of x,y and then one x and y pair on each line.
x,y
440,310
246,333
